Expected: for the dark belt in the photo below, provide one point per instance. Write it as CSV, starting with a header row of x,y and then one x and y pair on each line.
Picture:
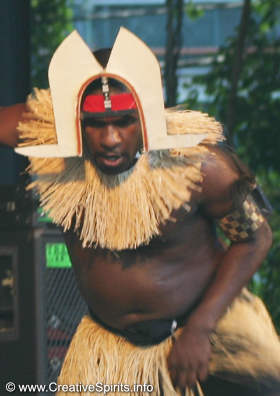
x,y
146,333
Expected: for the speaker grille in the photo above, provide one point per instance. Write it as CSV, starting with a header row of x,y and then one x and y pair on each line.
x,y
64,310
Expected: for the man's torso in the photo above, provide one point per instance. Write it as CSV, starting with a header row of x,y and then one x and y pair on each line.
x,y
164,279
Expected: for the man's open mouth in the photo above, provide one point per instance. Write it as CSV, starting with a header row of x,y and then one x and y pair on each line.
x,y
111,160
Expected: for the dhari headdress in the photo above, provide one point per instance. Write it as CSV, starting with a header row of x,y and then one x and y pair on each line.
x,y
125,210
73,67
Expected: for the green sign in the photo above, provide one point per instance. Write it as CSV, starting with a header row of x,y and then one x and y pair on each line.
x,y
57,256
42,217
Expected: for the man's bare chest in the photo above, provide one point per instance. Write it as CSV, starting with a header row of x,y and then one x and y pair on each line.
x,y
156,280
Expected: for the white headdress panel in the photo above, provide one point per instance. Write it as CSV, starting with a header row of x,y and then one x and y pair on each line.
x,y
73,64
70,66
77,64
132,60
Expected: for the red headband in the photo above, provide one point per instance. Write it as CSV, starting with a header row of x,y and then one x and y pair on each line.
x,y
119,102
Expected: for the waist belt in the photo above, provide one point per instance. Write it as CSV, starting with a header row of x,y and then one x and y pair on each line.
x,y
146,333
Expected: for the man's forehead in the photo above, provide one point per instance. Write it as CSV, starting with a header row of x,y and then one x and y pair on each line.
x,y
116,117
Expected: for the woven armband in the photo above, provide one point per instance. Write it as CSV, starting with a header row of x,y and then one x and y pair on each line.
x,y
242,222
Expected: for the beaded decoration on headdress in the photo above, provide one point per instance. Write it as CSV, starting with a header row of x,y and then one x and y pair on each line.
x,y
106,93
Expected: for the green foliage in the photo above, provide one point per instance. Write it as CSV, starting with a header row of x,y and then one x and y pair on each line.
x,y
193,10
50,22
258,99
256,131
266,282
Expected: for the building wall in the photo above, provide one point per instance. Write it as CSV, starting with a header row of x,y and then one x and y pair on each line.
x,y
99,21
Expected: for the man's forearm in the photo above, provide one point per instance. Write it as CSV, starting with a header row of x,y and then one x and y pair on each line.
x,y
239,264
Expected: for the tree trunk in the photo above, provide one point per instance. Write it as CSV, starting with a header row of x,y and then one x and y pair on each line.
x,y
237,65
173,47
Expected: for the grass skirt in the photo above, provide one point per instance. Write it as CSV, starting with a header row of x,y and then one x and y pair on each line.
x,y
245,349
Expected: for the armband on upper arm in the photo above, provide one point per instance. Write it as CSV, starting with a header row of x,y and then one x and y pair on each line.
x,y
242,222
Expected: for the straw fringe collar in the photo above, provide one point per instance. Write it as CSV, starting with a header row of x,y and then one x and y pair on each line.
x,y
122,211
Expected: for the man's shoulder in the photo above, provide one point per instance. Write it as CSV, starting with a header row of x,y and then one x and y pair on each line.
x,y
224,175
217,165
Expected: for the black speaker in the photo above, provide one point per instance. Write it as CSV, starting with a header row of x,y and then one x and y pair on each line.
x,y
17,307
40,305
61,306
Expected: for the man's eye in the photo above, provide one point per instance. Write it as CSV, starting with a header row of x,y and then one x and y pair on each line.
x,y
95,123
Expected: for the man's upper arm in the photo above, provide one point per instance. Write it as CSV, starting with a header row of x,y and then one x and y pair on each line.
x,y
226,198
220,176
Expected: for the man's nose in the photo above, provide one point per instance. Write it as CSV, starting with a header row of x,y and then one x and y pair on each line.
x,y
111,136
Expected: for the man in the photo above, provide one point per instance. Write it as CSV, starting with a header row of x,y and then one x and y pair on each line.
x,y
140,230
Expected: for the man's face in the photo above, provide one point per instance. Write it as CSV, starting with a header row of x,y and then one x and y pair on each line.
x,y
112,142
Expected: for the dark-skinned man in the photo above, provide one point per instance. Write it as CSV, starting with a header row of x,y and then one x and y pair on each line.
x,y
139,204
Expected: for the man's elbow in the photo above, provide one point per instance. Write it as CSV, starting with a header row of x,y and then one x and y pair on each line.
x,y
264,238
